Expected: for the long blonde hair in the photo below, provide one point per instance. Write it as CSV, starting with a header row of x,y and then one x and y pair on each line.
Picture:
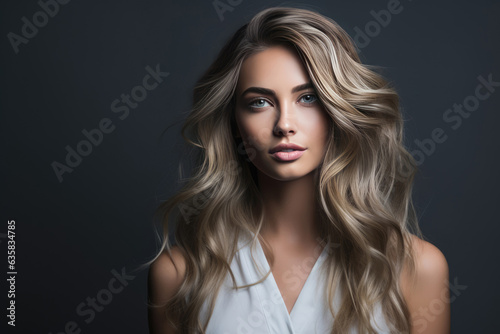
x,y
364,185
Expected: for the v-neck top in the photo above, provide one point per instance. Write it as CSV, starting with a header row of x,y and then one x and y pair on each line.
x,y
260,309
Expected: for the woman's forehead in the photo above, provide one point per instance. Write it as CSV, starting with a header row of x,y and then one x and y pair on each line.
x,y
277,68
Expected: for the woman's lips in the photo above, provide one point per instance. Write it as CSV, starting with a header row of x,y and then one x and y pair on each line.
x,y
287,156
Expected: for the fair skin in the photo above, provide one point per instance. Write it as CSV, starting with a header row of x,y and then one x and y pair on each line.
x,y
296,116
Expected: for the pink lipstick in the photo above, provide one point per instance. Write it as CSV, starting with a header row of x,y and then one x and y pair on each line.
x,y
287,152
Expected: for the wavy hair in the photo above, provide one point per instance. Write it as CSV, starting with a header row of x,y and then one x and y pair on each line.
x,y
364,184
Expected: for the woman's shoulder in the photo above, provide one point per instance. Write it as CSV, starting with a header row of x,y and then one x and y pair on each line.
x,y
166,273
430,261
428,288
165,277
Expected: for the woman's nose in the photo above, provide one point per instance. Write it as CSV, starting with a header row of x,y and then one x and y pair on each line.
x,y
286,122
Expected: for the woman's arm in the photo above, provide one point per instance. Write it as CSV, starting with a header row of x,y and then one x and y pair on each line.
x,y
429,298
163,282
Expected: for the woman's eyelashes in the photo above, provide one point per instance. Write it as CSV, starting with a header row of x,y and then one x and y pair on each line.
x,y
260,102
311,97
253,103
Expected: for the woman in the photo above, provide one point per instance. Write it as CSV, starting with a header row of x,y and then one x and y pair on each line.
x,y
299,217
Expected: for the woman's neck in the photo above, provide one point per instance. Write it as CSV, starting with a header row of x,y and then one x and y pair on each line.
x,y
290,210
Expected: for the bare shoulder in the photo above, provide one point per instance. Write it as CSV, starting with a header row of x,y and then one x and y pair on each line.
x,y
166,274
430,261
429,291
164,280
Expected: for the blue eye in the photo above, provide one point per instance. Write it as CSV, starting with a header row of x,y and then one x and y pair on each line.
x,y
312,98
253,103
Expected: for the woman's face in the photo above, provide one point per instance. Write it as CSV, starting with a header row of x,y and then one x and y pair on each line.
x,y
276,104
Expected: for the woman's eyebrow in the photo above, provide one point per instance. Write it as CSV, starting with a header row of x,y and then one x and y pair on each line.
x,y
267,91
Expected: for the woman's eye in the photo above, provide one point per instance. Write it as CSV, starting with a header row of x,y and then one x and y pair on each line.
x,y
309,98
258,103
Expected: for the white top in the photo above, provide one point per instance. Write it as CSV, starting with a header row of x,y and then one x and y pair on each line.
x,y
260,309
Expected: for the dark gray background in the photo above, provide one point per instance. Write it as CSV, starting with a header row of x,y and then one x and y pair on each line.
x,y
70,235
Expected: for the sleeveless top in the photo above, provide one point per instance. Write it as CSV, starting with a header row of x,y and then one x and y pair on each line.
x,y
260,309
